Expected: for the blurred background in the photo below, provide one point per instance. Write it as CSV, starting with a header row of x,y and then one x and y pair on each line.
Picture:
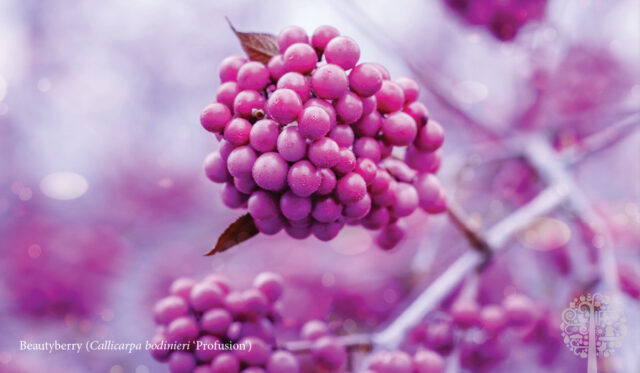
x,y
103,201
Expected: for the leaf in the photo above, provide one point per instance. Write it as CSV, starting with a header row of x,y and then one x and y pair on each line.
x,y
239,231
258,46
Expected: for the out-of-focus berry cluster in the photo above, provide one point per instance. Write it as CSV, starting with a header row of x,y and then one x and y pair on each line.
x,y
306,141
224,330
503,18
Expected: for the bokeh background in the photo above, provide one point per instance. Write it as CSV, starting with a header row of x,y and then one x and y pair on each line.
x,y
103,201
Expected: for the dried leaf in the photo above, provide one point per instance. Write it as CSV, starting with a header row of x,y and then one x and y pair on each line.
x,y
239,231
258,46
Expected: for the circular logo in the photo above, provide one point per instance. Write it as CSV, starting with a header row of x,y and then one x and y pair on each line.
x,y
592,327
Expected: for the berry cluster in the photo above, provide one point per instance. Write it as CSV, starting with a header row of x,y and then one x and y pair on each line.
x,y
503,18
477,331
304,139
224,331
327,351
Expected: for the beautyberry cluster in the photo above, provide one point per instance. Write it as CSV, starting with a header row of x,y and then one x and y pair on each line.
x,y
477,331
304,140
206,327
503,18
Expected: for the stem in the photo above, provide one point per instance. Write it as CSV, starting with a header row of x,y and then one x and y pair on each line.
x,y
462,222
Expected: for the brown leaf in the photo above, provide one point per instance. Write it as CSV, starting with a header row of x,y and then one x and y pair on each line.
x,y
258,46
239,231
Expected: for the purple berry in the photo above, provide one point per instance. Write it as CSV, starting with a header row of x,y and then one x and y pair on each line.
x,y
169,309
258,354
390,97
303,178
348,108
359,209
291,35
226,93
346,162
329,353
351,188
300,57
465,313
430,137
237,131
390,236
183,329
322,36
326,231
270,172
329,82
270,284
406,200
328,181
214,117
205,295
343,136
365,79
253,75
323,105
367,147
399,129
232,197
284,106
297,83
271,226
263,136
216,168
182,287
240,162
283,362
225,363
247,102
291,144
410,88
368,125
423,161
418,112
326,210
294,207
314,123
324,153
427,361
229,68
216,321
181,362
367,169
314,329
342,51
376,218
263,205
276,67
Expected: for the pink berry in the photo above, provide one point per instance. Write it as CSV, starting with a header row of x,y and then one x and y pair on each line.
x,y
406,200
423,161
324,153
232,197
359,209
343,136
216,168
314,123
410,88
365,79
237,131
376,218
229,68
329,82
247,102
328,181
321,37
291,145
294,207
390,97
427,361
430,137
368,125
240,161
270,171
264,135
367,169
367,147
226,93
263,205
297,83
342,51
348,108
270,284
399,129
214,117
418,112
346,162
303,178
284,106
300,57
318,102
390,236
253,75
276,67
326,210
351,188
291,35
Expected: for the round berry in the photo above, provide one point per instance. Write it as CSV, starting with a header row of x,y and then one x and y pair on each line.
x,y
262,205
418,112
410,88
299,233
182,287
329,82
291,145
216,168
367,169
342,51
271,226
247,102
258,354
181,362
216,321
263,136
328,181
365,79
303,178
429,190
390,236
406,200
329,353
369,105
351,188
283,362
427,361
383,70
294,207
276,67
465,313
367,147
314,329
291,35
423,161
318,102
343,136
300,58
237,131
205,295
182,329
226,93
322,36
229,68
492,318
519,310
390,97
314,123
270,284
348,108
376,218
326,210
226,363
253,75
284,106
240,162
399,129
270,171
214,117
381,182
346,162
324,153
297,83
359,209
368,125
232,197
430,137
169,309
326,231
